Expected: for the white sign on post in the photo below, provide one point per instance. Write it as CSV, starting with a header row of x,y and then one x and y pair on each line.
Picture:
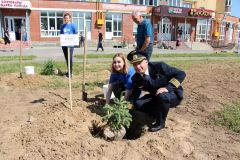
x,y
69,39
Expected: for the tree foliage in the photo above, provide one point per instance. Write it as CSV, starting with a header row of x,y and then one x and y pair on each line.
x,y
48,68
117,114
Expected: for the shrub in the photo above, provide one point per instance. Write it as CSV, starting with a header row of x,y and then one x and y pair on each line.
x,y
48,68
117,114
230,117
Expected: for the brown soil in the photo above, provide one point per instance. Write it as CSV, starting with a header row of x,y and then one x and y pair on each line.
x,y
57,133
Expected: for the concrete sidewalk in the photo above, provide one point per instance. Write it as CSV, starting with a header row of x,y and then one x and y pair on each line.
x,y
56,54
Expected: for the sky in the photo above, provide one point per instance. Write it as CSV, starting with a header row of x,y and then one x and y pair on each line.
x,y
235,8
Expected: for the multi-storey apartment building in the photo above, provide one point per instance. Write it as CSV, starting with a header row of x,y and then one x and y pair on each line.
x,y
196,19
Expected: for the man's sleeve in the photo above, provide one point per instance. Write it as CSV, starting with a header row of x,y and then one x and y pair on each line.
x,y
176,76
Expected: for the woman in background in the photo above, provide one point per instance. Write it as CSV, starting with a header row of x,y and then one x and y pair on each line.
x,y
68,28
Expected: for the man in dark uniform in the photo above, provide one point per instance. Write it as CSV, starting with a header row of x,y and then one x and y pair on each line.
x,y
161,82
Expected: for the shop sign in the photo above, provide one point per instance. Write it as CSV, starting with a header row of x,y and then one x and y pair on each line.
x,y
200,13
172,10
15,4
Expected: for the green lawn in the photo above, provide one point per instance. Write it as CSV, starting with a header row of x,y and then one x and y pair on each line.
x,y
15,58
168,55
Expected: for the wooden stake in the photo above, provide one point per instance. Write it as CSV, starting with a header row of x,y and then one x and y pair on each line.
x,y
84,94
20,57
69,79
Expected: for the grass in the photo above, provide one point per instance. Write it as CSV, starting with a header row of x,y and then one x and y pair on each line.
x,y
77,67
16,58
230,117
171,55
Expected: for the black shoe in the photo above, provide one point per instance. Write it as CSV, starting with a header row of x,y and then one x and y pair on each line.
x,y
66,74
157,126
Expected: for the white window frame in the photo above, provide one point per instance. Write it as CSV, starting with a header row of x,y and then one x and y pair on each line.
x,y
187,5
199,32
85,21
117,17
175,3
222,31
50,32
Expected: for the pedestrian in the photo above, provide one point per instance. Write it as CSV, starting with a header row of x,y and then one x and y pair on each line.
x,y
81,40
144,35
24,37
68,28
7,38
162,84
178,42
120,78
100,39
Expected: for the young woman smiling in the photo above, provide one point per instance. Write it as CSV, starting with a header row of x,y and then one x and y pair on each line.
x,y
120,78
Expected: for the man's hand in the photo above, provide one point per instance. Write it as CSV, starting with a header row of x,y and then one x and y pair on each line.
x,y
161,90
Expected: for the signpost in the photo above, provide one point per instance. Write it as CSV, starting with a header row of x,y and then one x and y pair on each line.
x,y
69,40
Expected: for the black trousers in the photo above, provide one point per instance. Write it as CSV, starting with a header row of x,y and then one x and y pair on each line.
x,y
157,106
65,51
100,45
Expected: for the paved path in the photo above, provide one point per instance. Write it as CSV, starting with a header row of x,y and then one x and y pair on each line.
x,y
55,53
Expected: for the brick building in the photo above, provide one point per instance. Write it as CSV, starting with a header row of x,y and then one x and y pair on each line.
x,y
42,19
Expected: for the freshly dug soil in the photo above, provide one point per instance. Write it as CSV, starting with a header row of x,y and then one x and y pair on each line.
x,y
57,133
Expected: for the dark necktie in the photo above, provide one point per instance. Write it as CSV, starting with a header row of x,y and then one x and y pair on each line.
x,y
147,83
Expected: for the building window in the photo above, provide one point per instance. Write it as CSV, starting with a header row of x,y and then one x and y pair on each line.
x,y
126,1
82,20
144,2
176,3
106,1
117,25
187,5
222,31
203,29
228,2
114,24
51,22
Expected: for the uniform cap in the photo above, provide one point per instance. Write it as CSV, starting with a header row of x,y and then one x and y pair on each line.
x,y
136,56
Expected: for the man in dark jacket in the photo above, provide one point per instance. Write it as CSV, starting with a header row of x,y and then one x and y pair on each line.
x,y
161,82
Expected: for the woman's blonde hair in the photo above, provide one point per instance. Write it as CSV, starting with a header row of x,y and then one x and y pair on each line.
x,y
125,66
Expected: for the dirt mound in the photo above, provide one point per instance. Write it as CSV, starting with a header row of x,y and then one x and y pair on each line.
x,y
55,132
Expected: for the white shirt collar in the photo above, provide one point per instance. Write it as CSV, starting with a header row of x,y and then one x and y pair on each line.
x,y
146,72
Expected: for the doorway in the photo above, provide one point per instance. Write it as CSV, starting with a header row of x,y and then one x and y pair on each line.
x,y
108,33
14,26
165,29
186,35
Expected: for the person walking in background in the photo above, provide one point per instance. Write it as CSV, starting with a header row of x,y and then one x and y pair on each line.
x,y
120,78
162,84
7,38
100,39
24,37
68,28
144,35
81,40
